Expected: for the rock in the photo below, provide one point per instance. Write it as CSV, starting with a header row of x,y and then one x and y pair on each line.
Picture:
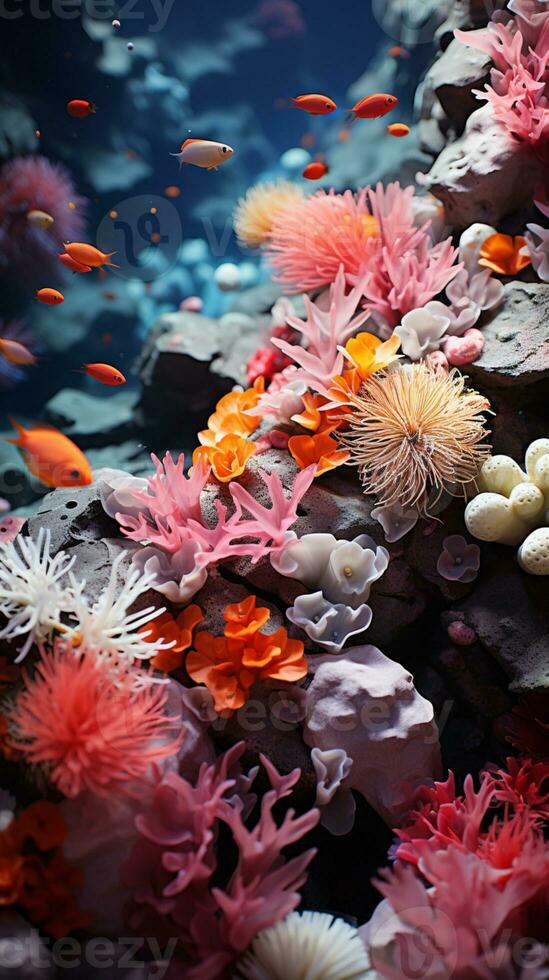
x,y
476,679
93,420
257,301
466,15
484,175
73,515
453,77
177,367
516,339
18,485
508,611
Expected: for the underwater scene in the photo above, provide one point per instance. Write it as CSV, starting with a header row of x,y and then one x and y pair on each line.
x,y
274,490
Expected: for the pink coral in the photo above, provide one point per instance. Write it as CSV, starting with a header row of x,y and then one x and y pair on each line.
x,y
35,184
174,869
88,731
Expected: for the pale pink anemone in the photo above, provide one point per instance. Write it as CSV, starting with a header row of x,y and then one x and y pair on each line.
x,y
87,730
371,235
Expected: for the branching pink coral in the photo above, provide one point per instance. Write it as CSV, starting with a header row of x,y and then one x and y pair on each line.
x,y
87,730
172,867
35,184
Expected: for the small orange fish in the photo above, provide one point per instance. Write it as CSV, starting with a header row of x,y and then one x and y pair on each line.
x,y
504,254
89,255
315,105
49,296
110,296
315,170
16,353
398,129
344,135
374,106
172,191
397,51
307,140
52,456
104,373
72,264
80,108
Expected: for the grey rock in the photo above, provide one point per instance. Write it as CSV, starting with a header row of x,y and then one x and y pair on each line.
x,y
453,77
257,301
482,176
17,484
73,515
508,611
516,339
92,420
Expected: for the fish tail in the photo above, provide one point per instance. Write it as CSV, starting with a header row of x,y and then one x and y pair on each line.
x,y
21,432
179,156
108,262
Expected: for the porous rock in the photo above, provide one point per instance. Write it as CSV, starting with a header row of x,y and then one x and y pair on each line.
x,y
516,339
453,77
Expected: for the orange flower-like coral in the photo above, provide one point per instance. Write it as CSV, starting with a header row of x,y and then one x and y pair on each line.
x,y
229,665
321,449
311,417
178,631
227,458
504,254
369,354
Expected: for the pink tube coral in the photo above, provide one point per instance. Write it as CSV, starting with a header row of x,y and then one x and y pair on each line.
x,y
34,184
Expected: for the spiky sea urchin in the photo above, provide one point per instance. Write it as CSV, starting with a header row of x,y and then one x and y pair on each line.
x,y
256,212
413,431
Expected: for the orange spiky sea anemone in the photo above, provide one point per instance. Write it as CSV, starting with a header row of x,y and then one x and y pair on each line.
x,y
256,212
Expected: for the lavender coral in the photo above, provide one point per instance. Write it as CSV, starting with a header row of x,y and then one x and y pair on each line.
x,y
172,869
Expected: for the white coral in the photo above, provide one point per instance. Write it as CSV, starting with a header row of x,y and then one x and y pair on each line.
x,y
421,331
33,595
105,627
343,570
314,945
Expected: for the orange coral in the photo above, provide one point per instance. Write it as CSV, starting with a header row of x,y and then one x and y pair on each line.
x,y
321,449
227,458
229,417
178,631
504,254
311,417
369,354
230,664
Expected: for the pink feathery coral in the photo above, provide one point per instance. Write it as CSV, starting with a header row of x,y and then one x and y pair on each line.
x,y
173,871
34,184
88,731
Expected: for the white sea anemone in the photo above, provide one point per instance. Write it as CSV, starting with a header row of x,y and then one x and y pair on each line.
x,y
312,945
32,593
105,627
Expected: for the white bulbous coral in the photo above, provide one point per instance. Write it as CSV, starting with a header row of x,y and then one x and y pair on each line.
x,y
328,624
33,589
314,945
513,506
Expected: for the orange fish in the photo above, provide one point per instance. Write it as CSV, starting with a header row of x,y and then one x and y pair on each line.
x,y
374,106
89,255
72,264
16,353
397,51
49,296
80,108
504,254
52,456
316,170
308,140
343,135
104,373
398,129
315,105
172,191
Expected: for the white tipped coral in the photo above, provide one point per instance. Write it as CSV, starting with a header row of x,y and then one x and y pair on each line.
x,y
105,627
312,945
32,592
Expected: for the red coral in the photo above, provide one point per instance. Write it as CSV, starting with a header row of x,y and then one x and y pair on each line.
x,y
172,868
35,184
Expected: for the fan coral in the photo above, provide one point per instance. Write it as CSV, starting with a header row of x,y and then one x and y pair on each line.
x,y
415,430
105,628
373,236
172,867
230,664
164,514
257,212
34,874
32,593
307,944
35,184
87,730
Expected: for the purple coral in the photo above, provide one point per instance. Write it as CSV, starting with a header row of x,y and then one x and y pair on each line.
x,y
35,184
458,561
173,866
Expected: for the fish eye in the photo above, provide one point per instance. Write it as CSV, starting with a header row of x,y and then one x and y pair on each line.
x,y
327,105
74,474
224,149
